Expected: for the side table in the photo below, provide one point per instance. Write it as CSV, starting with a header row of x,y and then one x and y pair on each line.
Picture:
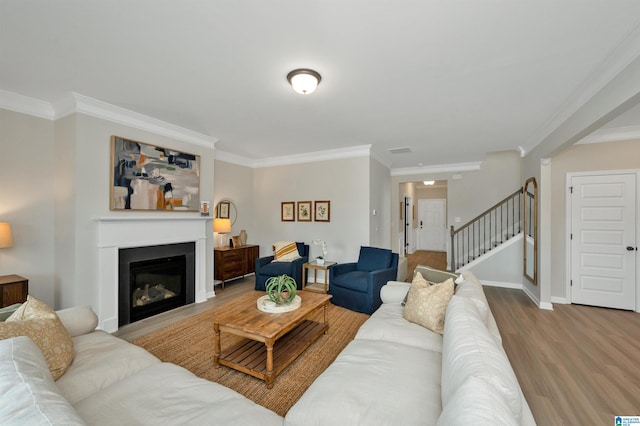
x,y
13,289
316,287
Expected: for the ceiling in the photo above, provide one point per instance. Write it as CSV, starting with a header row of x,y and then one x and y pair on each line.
x,y
451,80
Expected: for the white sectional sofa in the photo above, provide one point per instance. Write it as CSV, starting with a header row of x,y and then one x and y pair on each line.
x,y
112,382
393,373
396,372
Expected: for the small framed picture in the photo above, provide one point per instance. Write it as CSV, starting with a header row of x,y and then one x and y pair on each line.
x,y
204,208
287,211
322,211
236,241
304,211
223,210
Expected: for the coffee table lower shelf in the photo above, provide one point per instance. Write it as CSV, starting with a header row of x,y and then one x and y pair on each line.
x,y
250,356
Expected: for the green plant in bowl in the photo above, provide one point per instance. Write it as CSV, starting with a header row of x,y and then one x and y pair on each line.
x,y
281,289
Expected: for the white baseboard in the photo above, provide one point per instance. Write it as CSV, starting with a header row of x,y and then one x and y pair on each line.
x,y
542,305
517,286
560,300
546,305
211,294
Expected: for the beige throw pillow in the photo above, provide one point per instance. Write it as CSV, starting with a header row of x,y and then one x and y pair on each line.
x,y
285,251
40,323
427,304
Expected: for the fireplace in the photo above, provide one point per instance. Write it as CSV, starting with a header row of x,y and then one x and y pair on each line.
x,y
154,279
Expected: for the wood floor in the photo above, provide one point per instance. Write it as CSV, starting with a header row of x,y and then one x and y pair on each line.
x,y
435,259
575,364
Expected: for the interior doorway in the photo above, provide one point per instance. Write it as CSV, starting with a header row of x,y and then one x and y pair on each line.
x,y
432,224
603,248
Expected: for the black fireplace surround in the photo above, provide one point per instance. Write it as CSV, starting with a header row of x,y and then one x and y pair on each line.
x,y
154,279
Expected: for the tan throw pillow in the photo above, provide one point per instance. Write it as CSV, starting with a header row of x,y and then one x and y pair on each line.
x,y
285,251
427,304
418,279
40,323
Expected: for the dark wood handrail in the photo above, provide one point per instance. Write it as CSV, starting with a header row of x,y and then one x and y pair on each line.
x,y
496,205
467,247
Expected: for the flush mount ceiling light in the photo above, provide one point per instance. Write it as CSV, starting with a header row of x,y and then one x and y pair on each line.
x,y
429,182
304,81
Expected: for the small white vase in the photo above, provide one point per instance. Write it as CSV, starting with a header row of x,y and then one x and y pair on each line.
x,y
320,261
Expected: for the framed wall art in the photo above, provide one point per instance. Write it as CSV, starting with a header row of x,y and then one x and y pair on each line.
x,y
322,211
148,177
223,210
287,211
304,211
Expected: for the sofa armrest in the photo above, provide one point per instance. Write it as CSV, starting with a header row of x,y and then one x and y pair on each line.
x,y
394,292
78,320
261,261
341,268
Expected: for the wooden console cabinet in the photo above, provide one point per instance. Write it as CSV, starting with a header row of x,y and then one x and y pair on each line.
x,y
232,262
13,289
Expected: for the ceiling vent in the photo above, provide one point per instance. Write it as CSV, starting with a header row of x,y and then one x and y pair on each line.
x,y
401,150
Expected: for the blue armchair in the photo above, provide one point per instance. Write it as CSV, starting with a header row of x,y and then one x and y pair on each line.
x,y
267,268
356,286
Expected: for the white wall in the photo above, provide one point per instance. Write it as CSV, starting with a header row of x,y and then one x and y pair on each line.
x,y
470,194
380,202
234,182
616,96
27,200
344,182
580,158
503,266
82,181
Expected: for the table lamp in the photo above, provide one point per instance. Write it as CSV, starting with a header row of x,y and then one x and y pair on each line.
x,y
6,240
221,226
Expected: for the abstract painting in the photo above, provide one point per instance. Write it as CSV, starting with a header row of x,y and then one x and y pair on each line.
x,y
148,177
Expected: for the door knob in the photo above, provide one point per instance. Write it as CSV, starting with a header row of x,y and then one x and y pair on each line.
x,y
629,248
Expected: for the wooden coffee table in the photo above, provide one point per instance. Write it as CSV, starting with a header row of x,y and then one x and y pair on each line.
x,y
271,341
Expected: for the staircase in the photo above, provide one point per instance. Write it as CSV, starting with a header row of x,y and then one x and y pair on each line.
x,y
487,231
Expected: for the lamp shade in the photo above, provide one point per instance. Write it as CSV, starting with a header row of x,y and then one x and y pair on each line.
x,y
304,81
6,240
222,226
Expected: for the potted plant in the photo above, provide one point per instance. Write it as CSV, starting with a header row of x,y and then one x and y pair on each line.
x,y
323,244
281,289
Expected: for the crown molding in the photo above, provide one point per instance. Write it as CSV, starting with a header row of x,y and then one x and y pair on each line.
x,y
76,103
614,134
312,157
621,56
23,104
228,157
438,168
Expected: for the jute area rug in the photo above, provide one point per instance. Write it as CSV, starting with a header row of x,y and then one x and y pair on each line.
x,y
189,343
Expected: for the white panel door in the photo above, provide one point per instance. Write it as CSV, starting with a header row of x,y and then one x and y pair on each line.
x,y
603,242
432,224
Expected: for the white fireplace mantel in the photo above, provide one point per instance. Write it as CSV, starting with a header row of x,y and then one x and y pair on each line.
x,y
115,233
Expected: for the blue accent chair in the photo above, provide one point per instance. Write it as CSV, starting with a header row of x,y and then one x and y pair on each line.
x,y
267,268
356,286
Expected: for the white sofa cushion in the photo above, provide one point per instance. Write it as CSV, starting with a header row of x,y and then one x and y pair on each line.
x,y
166,394
78,320
476,403
388,324
28,395
469,350
473,289
394,291
373,383
100,360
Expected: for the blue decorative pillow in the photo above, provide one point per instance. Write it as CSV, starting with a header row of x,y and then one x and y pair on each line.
x,y
373,259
